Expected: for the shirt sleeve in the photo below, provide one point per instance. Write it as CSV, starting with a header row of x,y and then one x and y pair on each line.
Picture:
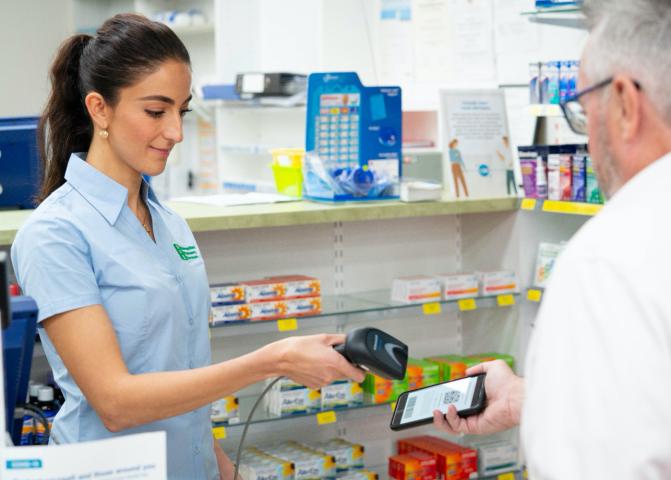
x,y
52,263
597,373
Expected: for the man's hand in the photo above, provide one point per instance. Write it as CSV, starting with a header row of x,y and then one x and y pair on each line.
x,y
505,395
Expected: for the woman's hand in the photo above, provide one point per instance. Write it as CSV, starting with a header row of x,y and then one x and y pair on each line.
x,y
505,395
312,361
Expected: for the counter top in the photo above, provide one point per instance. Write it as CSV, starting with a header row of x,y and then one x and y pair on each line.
x,y
204,218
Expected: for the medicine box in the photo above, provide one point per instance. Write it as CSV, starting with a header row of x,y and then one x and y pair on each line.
x,y
451,367
227,293
230,313
495,457
341,394
545,262
413,466
347,455
498,283
307,465
422,373
416,289
382,390
225,410
453,462
456,286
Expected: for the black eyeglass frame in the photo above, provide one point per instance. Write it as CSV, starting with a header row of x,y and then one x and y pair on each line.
x,y
576,98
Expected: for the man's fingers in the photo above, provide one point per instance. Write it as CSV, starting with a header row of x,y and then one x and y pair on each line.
x,y
441,423
477,369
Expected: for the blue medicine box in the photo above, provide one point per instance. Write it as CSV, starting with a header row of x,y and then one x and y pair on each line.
x,y
353,139
19,162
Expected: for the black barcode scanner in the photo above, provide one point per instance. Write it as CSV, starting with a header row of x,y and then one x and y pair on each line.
x,y
376,351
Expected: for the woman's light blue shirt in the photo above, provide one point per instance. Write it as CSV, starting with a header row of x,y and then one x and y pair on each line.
x,y
84,246
455,157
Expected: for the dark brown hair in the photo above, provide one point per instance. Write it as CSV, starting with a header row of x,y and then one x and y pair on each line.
x,y
125,48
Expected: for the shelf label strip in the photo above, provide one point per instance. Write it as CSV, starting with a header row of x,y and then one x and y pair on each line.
x,y
505,300
325,418
287,324
506,476
528,204
574,208
467,304
219,433
432,308
534,295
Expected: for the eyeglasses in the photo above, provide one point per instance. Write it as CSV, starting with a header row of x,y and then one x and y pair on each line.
x,y
575,113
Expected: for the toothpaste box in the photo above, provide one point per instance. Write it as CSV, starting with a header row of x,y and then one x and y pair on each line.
x,y
281,288
225,410
227,293
416,289
498,283
456,286
230,313
298,286
273,310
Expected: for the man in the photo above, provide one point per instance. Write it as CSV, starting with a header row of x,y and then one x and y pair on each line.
x,y
598,387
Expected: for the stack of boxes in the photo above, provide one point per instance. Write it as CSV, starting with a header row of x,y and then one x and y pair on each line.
x,y
450,287
425,372
432,458
270,298
335,458
559,172
289,398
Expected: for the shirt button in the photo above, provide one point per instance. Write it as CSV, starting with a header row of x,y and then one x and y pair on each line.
x,y
190,321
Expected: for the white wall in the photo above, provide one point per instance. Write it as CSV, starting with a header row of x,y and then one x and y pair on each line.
x,y
30,32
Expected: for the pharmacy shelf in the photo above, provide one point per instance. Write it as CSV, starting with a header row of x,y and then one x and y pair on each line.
x,y
552,11
366,306
516,474
207,218
555,206
326,417
545,110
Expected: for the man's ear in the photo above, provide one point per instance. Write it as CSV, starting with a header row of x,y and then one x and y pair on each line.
x,y
628,106
99,110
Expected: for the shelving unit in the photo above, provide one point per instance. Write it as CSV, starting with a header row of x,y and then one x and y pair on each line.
x,y
566,16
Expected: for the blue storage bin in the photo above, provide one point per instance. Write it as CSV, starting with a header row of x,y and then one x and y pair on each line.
x,y
19,162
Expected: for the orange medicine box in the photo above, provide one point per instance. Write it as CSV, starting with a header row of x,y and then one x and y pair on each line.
x,y
453,462
413,466
452,367
459,285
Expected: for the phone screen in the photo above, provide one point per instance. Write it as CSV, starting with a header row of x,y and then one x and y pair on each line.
x,y
420,404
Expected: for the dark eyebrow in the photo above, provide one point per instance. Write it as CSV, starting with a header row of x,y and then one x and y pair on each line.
x,y
164,99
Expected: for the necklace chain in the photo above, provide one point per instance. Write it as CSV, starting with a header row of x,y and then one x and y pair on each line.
x,y
145,223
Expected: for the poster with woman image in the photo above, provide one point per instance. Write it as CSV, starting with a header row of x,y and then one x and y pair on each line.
x,y
478,158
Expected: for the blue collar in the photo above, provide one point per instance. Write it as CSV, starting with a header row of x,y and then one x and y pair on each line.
x,y
107,196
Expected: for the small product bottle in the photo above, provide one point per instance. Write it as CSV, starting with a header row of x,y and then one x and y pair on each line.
x,y
28,428
45,402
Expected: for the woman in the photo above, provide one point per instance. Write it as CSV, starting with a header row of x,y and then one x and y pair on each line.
x,y
118,278
457,163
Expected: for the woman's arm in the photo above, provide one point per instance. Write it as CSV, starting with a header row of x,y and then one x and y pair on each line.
x,y
86,342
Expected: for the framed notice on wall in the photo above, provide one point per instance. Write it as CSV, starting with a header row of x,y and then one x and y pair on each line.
x,y
477,152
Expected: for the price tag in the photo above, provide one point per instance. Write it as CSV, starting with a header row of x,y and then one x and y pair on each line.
x,y
505,300
534,295
432,308
324,418
574,208
219,433
506,476
467,304
528,204
287,325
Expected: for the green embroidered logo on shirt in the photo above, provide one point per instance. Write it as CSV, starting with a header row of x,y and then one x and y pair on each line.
x,y
186,253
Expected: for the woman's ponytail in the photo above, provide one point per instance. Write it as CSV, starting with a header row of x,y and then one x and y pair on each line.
x,y
65,126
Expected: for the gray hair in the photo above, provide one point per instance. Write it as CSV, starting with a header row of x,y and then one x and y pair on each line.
x,y
632,37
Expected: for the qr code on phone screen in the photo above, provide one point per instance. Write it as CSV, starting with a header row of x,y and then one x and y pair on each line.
x,y
452,396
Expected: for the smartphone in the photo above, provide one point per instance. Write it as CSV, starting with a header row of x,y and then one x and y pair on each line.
x,y
416,407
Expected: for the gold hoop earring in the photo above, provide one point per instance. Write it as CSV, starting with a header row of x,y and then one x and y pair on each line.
x,y
104,133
